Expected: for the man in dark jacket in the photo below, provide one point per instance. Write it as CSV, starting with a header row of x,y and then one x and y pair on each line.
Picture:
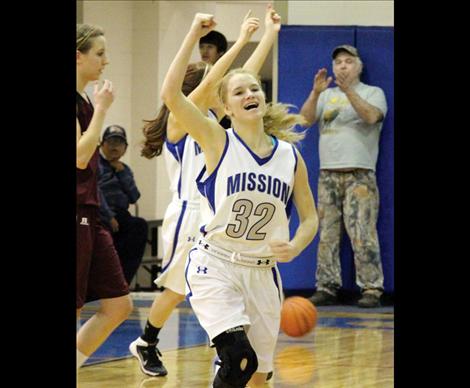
x,y
117,191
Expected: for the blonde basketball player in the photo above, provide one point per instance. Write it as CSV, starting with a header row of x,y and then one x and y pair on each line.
x,y
252,176
184,160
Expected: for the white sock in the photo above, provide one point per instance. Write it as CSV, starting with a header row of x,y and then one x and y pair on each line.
x,y
81,358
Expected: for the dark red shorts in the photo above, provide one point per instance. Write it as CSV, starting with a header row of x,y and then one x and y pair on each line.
x,y
99,271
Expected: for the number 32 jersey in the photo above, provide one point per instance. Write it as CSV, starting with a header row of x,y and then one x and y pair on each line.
x,y
247,200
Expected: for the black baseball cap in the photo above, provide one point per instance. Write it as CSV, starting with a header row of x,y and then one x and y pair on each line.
x,y
115,131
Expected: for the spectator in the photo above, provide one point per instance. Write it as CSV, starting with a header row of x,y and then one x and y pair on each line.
x,y
212,47
350,120
118,188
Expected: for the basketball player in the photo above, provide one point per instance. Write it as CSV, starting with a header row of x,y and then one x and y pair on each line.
x,y
252,175
184,160
99,272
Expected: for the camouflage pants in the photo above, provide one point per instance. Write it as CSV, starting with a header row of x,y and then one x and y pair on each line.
x,y
351,197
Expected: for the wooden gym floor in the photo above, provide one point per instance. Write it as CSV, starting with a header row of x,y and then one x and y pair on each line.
x,y
349,348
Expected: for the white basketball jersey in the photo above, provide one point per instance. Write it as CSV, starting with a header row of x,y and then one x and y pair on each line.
x,y
247,200
184,160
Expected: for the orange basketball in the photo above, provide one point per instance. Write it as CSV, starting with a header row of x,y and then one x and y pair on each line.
x,y
298,316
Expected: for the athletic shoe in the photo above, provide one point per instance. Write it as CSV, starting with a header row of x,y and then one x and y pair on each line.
x,y
147,354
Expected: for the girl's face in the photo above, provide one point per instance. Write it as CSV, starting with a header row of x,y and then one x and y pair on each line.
x,y
91,64
245,99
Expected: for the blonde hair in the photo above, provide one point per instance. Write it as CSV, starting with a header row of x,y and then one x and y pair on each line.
x,y
277,120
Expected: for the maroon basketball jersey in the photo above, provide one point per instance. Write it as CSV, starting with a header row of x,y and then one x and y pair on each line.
x,y
87,179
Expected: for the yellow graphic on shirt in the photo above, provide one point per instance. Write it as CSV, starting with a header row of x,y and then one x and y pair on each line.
x,y
338,100
332,109
330,115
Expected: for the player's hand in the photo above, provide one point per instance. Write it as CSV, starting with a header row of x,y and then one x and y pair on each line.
x,y
249,26
103,96
272,20
283,251
203,23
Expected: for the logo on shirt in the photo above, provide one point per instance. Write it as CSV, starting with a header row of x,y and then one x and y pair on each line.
x,y
84,221
262,262
258,182
201,269
206,246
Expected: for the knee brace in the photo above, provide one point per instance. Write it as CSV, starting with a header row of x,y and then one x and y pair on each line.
x,y
238,359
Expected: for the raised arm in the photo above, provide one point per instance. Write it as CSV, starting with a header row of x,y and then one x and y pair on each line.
x,y
209,134
208,85
87,143
272,23
205,93
366,111
309,108
308,217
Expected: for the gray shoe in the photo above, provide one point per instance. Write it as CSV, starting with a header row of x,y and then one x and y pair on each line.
x,y
323,298
369,300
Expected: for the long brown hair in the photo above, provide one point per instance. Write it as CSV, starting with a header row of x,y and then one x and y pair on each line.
x,y
277,120
155,130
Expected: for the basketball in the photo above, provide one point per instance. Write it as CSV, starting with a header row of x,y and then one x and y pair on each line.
x,y
298,316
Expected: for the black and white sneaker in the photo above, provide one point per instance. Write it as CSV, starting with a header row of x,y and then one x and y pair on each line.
x,y
147,354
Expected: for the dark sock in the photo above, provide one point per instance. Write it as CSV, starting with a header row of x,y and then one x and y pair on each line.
x,y
150,333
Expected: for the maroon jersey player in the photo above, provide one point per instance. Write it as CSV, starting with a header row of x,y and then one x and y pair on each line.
x,y
99,272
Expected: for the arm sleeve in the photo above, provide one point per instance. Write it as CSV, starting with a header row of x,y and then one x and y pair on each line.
x,y
377,99
321,104
105,211
126,178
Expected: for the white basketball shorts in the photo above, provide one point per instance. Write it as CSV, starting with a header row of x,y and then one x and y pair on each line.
x,y
180,232
224,295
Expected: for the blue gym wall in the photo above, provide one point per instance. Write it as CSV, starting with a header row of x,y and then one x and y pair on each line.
x,y
302,51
